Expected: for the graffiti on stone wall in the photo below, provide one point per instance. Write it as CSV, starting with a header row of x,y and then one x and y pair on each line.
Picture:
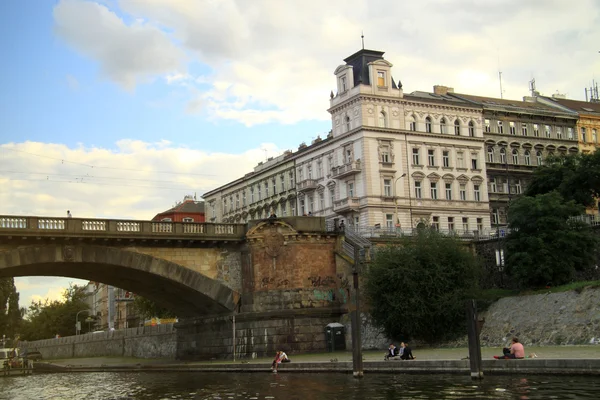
x,y
272,282
331,295
318,281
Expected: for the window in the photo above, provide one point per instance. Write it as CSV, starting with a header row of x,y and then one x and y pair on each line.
x,y
300,174
435,223
266,190
524,129
418,193
283,209
559,132
538,156
380,78
188,219
495,216
594,136
570,134
472,128
282,178
309,168
527,157
463,192
476,193
348,155
389,220
512,128
490,154
347,123
474,161
456,127
311,204
433,186
428,124
274,182
547,130
493,186
224,206
465,224
446,158
536,130
251,195
292,180
343,84
431,157
259,192
443,125
230,203
518,187
515,156
500,127
385,154
448,191
237,201
413,124
322,200
583,135
487,126
350,189
302,207
382,120
480,224
503,156
387,187
460,159
451,224
320,169
244,198
331,196
415,156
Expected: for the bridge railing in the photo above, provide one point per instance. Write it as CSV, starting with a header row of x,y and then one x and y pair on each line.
x,y
129,228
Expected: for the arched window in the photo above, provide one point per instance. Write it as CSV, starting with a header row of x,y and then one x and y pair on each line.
x,y
471,129
413,123
456,127
347,123
428,124
527,157
443,125
490,154
503,156
515,156
538,155
382,119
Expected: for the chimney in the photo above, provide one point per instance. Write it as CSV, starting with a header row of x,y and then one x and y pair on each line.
x,y
441,90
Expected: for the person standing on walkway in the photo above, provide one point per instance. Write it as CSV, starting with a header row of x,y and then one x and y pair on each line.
x,y
69,214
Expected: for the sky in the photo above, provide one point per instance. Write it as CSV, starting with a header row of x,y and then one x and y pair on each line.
x,y
119,108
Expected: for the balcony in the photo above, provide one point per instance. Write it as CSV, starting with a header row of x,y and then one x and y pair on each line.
x,y
307,185
347,204
348,169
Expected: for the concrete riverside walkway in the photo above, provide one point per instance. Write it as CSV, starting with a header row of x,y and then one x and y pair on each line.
x,y
550,360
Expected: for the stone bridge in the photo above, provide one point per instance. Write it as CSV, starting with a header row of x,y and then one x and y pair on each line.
x,y
283,279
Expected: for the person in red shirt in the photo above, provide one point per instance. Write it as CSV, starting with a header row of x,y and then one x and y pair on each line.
x,y
516,351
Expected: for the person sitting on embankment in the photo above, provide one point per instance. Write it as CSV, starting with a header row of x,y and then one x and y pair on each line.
x,y
515,351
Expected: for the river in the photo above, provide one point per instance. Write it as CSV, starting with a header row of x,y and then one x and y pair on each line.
x,y
256,386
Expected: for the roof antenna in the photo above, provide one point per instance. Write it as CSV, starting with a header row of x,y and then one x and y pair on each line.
x,y
362,37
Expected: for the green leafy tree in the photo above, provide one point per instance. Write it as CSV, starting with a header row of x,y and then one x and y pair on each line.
x,y
10,314
576,177
149,309
546,246
45,319
417,289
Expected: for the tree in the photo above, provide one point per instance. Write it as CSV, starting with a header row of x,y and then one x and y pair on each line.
x,y
10,314
148,309
546,245
576,177
417,289
45,319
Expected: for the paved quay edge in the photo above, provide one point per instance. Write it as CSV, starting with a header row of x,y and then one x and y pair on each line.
x,y
491,367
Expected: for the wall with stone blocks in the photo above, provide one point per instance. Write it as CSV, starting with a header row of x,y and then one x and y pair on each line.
x,y
158,341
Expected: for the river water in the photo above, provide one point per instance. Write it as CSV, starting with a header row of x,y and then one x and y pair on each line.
x,y
313,386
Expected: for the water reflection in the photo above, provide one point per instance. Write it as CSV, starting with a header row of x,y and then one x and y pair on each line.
x,y
254,386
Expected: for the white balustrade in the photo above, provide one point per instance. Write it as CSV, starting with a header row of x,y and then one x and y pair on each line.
x,y
224,229
127,226
13,222
93,225
193,228
162,227
51,223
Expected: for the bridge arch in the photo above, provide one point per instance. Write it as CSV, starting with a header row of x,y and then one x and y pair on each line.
x,y
188,293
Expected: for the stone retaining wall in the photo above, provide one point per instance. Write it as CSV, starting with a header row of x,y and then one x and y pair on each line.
x,y
158,341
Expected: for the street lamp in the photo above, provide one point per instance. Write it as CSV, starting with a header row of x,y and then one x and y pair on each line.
x,y
77,326
396,197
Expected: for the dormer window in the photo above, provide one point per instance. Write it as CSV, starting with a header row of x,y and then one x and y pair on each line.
x,y
380,78
343,84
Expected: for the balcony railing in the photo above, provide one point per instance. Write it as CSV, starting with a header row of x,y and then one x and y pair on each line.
x,y
85,227
347,204
307,185
342,171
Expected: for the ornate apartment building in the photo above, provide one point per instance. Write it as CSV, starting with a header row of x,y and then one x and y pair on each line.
x,y
519,135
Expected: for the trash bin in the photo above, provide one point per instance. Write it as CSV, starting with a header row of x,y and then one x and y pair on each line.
x,y
334,337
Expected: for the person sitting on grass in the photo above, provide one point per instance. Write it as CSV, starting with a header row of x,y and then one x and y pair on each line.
x,y
392,353
515,351
406,352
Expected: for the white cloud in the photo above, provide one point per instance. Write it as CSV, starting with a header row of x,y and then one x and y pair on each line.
x,y
41,288
273,61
